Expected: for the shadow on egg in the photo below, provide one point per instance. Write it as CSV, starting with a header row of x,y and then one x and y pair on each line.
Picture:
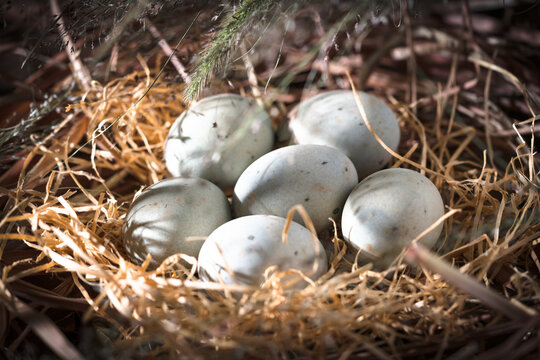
x,y
147,237
165,215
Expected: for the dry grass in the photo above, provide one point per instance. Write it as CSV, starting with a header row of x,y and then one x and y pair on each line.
x,y
71,208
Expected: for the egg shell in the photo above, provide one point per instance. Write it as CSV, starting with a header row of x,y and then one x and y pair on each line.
x,y
164,215
217,138
388,209
332,118
318,177
239,251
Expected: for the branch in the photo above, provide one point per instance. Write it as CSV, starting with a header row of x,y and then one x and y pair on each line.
x,y
168,51
80,71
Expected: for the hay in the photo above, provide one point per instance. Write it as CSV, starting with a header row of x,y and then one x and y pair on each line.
x,y
70,208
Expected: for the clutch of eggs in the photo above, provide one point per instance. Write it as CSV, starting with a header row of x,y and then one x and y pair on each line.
x,y
227,139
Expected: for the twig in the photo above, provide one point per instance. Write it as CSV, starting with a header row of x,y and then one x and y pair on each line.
x,y
113,62
305,61
487,117
133,13
515,131
79,70
105,129
370,64
44,328
114,58
252,77
279,56
467,22
411,64
168,51
416,254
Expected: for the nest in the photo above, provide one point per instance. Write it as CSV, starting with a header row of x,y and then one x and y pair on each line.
x,y
63,256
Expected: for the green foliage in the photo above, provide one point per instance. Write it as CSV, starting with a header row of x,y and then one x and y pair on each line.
x,y
236,24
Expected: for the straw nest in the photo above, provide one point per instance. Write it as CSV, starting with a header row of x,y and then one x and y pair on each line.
x,y
65,214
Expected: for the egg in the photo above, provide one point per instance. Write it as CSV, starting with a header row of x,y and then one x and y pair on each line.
x,y
332,118
315,176
387,210
239,252
217,138
164,216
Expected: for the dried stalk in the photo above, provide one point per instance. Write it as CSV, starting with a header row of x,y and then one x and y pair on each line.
x,y
80,71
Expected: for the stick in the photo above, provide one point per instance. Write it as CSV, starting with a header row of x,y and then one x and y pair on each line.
x,y
411,63
252,77
80,71
168,51
417,254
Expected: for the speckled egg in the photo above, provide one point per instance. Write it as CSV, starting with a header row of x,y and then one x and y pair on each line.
x,y
332,118
387,210
217,138
163,216
318,177
238,252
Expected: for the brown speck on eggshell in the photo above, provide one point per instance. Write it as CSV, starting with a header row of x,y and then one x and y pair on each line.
x,y
248,245
280,179
198,146
316,121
